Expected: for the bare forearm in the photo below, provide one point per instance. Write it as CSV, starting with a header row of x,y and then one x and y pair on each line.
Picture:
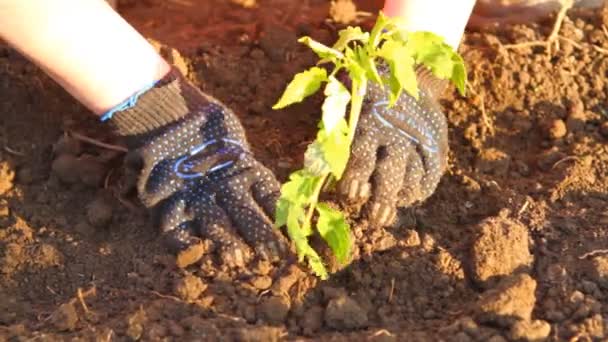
x,y
446,18
85,46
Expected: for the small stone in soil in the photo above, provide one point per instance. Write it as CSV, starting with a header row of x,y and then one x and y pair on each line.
x,y
189,288
344,313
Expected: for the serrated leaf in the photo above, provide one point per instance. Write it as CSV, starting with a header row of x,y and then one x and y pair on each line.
x,y
401,65
334,229
348,35
303,85
317,266
430,50
334,106
323,51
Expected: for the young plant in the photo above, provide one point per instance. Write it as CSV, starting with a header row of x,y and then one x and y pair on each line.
x,y
357,53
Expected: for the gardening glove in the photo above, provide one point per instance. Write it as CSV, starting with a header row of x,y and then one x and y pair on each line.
x,y
197,171
398,154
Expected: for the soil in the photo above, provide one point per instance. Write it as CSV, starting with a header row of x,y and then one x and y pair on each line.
x,y
512,246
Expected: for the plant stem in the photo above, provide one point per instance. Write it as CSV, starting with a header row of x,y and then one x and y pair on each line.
x,y
315,196
357,94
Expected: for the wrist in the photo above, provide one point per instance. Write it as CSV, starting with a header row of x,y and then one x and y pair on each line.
x,y
155,106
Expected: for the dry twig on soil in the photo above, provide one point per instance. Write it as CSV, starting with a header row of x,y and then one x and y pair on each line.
x,y
98,143
553,38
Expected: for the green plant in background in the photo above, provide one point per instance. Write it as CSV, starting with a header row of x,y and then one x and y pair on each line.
x,y
357,53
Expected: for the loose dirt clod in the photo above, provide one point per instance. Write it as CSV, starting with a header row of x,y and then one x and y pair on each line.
x,y
274,309
597,270
65,167
135,324
513,299
92,172
99,212
7,175
530,330
191,255
501,248
189,288
556,129
65,317
312,320
344,313
67,145
262,282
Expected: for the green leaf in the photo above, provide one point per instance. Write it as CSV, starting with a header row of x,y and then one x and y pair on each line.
x,y
303,248
430,50
401,65
303,85
382,22
321,50
348,35
329,152
334,229
281,212
335,147
356,71
300,187
368,64
459,74
314,160
334,106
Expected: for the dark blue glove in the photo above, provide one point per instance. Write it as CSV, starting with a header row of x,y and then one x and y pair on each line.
x,y
398,154
197,171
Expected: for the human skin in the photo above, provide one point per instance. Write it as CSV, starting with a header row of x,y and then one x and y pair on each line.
x,y
446,18
101,60
85,46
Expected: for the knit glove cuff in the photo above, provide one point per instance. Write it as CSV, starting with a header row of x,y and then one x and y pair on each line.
x,y
166,102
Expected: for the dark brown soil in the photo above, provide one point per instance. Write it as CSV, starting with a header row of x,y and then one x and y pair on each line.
x,y
512,246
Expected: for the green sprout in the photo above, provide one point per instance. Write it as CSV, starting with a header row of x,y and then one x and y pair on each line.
x,y
358,54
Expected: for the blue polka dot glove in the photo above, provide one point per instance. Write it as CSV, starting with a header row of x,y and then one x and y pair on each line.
x,y
399,153
198,173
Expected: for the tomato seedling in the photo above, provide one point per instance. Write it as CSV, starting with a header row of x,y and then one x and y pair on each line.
x,y
357,53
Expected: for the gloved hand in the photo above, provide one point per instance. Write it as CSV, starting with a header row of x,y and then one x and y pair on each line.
x,y
197,171
398,154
